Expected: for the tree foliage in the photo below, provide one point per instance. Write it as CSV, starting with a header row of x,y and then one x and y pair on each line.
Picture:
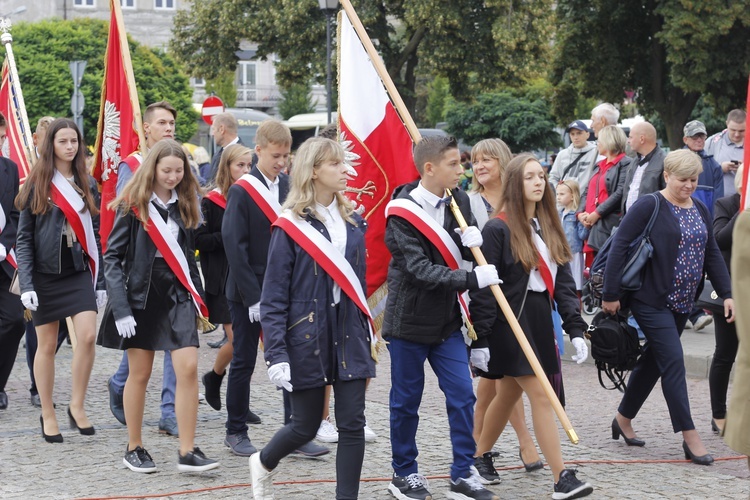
x,y
669,51
523,124
43,50
437,100
296,100
223,86
503,41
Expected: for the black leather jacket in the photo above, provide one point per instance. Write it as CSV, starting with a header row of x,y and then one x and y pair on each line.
x,y
39,243
130,257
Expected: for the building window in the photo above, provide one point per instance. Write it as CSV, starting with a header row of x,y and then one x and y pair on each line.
x,y
198,82
127,4
164,4
84,3
246,81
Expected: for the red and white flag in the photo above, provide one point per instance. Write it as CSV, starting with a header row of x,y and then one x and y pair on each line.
x,y
375,137
117,134
745,195
15,147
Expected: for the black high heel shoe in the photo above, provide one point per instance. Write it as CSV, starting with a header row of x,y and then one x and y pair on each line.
x,y
57,438
617,432
715,427
531,467
706,459
86,431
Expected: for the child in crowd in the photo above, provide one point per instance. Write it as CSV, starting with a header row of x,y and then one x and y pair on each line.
x,y
569,198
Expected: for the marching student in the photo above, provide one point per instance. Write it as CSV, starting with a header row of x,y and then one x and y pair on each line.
x,y
423,319
527,244
236,161
316,323
155,291
58,256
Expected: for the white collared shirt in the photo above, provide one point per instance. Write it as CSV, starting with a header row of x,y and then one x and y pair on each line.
x,y
429,202
171,224
635,185
331,218
536,282
273,185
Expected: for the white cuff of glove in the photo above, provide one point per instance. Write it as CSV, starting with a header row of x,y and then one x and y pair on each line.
x,y
126,326
486,275
281,375
29,300
101,298
470,237
253,312
582,350
480,358
3,252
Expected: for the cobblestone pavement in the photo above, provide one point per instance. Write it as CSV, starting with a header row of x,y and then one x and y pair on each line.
x,y
88,467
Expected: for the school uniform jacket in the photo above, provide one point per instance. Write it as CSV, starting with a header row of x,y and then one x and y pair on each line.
x,y
210,244
301,324
246,232
8,193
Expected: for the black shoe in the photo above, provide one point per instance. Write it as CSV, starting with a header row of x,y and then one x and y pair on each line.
x,y
413,486
310,450
86,431
617,432
568,486
486,469
531,467
715,427
240,444
706,459
252,418
57,438
3,400
212,382
138,460
218,343
115,403
470,488
195,461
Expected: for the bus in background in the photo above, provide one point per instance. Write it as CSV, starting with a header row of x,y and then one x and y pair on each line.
x,y
248,120
307,125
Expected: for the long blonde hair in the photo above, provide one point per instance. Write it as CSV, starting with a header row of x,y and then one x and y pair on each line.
x,y
310,155
137,192
228,156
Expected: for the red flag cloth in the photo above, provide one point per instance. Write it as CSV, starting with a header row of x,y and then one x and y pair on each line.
x,y
13,148
745,200
116,136
372,130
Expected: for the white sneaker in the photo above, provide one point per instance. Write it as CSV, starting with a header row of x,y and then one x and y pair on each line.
x,y
370,435
327,432
261,479
703,322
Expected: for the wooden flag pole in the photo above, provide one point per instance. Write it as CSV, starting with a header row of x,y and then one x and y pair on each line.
x,y
478,256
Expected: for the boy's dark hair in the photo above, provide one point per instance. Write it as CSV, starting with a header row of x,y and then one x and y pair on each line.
x,y
330,132
158,105
431,149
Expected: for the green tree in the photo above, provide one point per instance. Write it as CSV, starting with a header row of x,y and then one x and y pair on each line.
x,y
437,100
523,124
670,51
44,49
224,87
296,100
507,39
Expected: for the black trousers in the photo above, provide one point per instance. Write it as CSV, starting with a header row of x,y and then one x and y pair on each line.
x,y
11,328
721,366
307,408
245,344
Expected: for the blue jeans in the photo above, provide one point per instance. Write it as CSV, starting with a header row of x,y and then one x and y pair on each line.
x,y
245,344
169,382
662,357
450,362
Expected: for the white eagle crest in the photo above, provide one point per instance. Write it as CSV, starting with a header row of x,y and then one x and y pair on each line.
x,y
351,160
110,139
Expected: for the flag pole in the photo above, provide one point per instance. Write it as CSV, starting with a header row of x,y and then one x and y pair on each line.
x,y
7,39
411,127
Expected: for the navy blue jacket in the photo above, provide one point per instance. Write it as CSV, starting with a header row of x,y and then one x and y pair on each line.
x,y
665,237
8,193
710,181
297,313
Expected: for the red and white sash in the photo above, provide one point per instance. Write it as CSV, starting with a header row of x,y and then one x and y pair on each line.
x,y
215,196
170,250
11,253
330,259
69,201
261,195
438,236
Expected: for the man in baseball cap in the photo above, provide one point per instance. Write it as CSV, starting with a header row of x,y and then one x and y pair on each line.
x,y
577,161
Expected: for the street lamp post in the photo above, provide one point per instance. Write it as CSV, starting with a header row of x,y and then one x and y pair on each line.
x,y
329,8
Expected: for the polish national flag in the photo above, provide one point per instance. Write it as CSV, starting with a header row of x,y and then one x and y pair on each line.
x,y
15,147
372,130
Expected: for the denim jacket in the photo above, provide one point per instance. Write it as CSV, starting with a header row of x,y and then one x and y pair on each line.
x,y
575,231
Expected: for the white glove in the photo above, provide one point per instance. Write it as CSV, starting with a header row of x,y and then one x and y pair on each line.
x,y
486,275
3,252
101,298
253,312
126,326
480,358
29,300
281,375
582,350
471,237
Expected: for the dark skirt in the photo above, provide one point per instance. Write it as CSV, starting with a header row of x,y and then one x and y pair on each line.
x,y
506,355
62,295
167,323
218,309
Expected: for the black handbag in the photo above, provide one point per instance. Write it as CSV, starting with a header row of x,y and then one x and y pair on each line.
x,y
614,347
709,299
632,273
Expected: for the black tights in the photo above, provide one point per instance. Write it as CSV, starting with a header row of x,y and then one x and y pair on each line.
x,y
721,366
